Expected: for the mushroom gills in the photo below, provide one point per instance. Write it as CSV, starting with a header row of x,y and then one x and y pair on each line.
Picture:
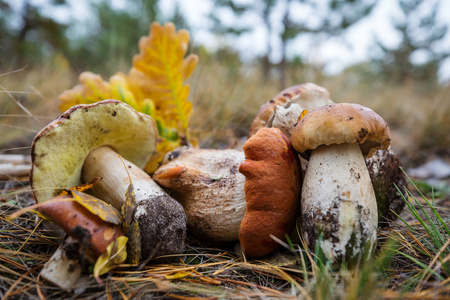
x,y
338,203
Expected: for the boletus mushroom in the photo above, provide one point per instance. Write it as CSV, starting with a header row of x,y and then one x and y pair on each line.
x,y
272,190
91,226
338,202
84,142
283,110
386,176
209,186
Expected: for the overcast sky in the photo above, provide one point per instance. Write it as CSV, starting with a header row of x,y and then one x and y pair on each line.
x,y
334,53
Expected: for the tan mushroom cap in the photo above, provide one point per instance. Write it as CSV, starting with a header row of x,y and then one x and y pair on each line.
x,y
59,150
342,123
309,91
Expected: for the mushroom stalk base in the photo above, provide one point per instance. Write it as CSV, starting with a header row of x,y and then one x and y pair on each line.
x,y
64,267
161,219
105,162
338,203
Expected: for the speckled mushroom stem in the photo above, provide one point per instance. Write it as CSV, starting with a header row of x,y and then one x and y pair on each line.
x,y
64,268
161,219
338,202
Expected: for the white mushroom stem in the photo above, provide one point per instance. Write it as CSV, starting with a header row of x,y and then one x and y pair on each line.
x,y
105,162
63,268
338,201
161,219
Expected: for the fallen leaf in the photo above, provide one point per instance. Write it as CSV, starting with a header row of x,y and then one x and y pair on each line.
x,y
177,275
134,243
83,187
115,254
128,207
97,207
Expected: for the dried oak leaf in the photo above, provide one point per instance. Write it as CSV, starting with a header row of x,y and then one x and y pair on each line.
x,y
131,228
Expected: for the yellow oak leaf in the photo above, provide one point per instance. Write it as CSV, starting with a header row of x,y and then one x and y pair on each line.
x,y
115,254
97,207
161,60
155,85
93,88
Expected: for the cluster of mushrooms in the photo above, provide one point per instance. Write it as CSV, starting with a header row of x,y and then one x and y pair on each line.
x,y
305,162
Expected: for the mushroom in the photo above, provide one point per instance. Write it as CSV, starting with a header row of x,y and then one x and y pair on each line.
x,y
283,111
386,176
91,225
84,142
338,201
210,188
272,189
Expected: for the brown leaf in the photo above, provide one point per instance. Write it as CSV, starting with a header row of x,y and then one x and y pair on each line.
x,y
128,207
134,243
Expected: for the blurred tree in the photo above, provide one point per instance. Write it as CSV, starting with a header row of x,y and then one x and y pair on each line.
x,y
262,9
178,18
27,35
420,34
113,40
330,17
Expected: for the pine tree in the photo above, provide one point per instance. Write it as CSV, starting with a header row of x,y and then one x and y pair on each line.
x,y
332,17
420,31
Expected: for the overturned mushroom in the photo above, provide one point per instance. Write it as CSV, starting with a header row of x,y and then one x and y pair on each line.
x,y
210,188
272,191
283,111
83,143
89,231
338,200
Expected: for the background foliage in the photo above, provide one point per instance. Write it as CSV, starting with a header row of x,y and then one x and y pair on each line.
x,y
52,50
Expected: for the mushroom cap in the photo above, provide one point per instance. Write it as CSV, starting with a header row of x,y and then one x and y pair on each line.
x,y
342,123
307,95
209,186
59,150
272,188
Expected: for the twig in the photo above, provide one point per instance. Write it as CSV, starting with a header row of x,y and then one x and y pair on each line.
x,y
20,105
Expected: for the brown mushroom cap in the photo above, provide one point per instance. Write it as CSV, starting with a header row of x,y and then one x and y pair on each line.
x,y
310,92
272,188
342,123
59,150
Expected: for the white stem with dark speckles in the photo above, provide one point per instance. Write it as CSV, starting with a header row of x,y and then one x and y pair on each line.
x,y
338,200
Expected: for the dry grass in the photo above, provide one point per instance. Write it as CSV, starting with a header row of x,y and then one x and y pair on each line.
x,y
407,265
225,102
